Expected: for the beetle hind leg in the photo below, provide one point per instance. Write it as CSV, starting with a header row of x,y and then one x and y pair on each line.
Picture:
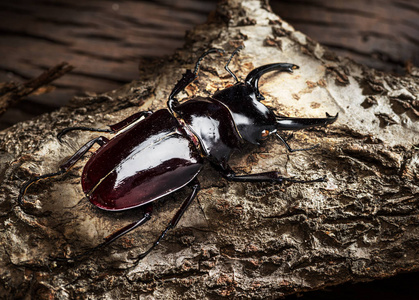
x,y
28,183
147,216
195,189
111,238
63,168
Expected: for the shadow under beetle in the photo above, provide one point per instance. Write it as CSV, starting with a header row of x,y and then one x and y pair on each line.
x,y
165,151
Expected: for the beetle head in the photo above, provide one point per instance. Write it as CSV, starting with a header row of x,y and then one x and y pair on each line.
x,y
253,120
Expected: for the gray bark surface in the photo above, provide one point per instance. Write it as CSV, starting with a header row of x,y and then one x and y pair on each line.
x,y
238,240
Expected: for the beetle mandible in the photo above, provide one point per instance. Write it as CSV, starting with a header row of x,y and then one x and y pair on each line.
x,y
155,154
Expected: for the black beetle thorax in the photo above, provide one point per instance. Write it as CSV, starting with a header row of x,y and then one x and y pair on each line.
x,y
250,116
213,125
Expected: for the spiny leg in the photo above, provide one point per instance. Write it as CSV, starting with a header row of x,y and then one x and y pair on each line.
x,y
64,167
195,189
81,128
229,60
113,128
148,210
186,79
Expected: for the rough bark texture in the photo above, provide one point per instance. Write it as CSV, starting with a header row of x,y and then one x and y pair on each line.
x,y
239,240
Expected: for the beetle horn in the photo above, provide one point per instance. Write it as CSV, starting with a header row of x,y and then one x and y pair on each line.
x,y
253,77
302,123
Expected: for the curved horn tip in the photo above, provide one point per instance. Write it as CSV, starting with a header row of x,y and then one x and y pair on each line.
x,y
332,118
291,68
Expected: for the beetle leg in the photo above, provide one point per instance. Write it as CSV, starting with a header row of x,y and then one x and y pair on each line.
x,y
272,176
147,215
195,189
284,141
65,131
148,210
186,79
64,167
113,128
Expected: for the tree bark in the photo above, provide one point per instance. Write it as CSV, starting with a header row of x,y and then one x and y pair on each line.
x,y
239,239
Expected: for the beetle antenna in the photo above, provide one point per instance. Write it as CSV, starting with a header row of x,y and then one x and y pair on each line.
x,y
229,60
198,62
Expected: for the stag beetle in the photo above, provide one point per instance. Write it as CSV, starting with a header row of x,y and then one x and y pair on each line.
x,y
155,154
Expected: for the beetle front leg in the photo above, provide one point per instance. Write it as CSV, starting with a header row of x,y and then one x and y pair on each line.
x,y
64,167
186,79
272,176
113,128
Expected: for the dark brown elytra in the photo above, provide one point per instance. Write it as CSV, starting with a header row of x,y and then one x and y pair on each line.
x,y
155,154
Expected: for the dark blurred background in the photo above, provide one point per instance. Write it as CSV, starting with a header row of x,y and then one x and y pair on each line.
x,y
107,40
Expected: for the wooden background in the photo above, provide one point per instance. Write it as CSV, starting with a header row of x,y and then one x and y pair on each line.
x,y
108,40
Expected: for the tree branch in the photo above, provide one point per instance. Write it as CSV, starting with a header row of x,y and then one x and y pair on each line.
x,y
11,93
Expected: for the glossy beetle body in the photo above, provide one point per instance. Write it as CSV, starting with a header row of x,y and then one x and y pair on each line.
x,y
164,152
151,159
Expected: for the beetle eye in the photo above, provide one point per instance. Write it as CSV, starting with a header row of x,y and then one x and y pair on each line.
x,y
265,134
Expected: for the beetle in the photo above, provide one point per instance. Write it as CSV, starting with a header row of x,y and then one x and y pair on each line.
x,y
157,153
